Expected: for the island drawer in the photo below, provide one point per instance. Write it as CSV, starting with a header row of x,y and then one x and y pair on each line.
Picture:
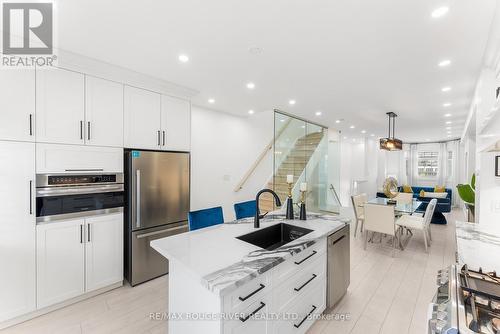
x,y
299,261
250,320
302,282
303,312
248,293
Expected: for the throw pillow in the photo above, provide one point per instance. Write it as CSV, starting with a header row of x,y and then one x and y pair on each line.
x,y
438,189
422,193
407,189
435,195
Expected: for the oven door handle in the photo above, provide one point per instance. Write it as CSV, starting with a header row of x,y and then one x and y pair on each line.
x,y
54,191
145,235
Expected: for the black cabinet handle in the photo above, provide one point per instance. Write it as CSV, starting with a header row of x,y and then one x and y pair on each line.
x,y
159,143
88,232
163,137
81,129
81,234
303,285
31,197
305,318
257,310
262,286
88,130
342,237
314,252
31,124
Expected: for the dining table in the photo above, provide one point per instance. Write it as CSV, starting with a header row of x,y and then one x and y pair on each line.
x,y
399,210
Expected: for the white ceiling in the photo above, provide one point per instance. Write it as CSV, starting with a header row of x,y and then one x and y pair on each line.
x,y
351,59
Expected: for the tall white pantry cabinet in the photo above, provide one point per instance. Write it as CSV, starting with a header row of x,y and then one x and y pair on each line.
x,y
52,120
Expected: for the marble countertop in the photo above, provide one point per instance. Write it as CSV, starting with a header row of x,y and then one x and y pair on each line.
x,y
222,263
478,245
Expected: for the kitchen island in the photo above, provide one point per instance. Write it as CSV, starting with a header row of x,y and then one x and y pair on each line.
x,y
221,284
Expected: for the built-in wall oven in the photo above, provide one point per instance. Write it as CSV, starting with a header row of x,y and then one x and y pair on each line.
x,y
66,196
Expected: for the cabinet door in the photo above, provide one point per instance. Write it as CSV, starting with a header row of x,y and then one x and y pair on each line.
x,y
104,251
17,229
103,112
60,106
17,105
142,118
60,261
176,124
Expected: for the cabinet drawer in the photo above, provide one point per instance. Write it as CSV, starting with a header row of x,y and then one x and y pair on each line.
x,y
301,315
250,320
299,261
248,293
54,158
302,282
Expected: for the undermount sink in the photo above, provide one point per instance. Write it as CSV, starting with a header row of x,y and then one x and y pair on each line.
x,y
274,236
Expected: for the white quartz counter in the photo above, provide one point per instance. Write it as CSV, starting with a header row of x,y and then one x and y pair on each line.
x,y
478,245
222,263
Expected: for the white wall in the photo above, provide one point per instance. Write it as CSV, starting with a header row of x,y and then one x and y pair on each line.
x,y
223,148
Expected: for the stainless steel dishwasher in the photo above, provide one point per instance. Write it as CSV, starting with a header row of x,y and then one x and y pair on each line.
x,y
339,276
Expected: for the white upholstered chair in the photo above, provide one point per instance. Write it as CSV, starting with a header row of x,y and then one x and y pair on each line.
x,y
380,218
420,223
358,202
404,198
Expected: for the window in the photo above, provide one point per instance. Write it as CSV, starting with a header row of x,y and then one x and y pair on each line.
x,y
449,165
427,164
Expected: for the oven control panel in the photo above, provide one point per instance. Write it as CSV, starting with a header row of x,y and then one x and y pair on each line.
x,y
54,180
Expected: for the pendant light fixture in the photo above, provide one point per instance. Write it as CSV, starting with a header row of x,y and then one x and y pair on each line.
x,y
391,143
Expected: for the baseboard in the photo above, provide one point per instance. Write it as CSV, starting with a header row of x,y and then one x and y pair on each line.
x,y
48,309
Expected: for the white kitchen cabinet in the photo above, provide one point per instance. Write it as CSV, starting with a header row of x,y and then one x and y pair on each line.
x,y
104,251
103,112
60,100
142,119
56,158
175,124
17,105
17,229
60,261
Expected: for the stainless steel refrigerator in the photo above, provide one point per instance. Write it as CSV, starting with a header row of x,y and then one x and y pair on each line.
x,y
157,206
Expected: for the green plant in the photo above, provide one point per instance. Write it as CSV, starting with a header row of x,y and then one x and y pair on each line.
x,y
467,191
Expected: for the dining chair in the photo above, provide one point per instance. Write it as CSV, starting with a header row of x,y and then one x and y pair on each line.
x,y
404,198
380,218
205,218
245,209
359,215
420,223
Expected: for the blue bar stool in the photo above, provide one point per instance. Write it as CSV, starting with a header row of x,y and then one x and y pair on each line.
x,y
245,209
205,218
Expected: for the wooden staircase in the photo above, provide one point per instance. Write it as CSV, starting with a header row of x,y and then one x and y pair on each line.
x,y
294,163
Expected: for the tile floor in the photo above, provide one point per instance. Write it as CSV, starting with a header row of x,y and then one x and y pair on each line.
x,y
387,295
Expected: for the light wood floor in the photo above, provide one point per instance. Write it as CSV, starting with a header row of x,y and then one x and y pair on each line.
x,y
387,295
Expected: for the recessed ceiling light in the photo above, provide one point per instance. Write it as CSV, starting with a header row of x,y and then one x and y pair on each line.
x,y
446,89
211,101
444,63
291,102
183,58
318,113
447,115
345,137
447,104
250,85
250,111
363,131
338,121
352,127
372,135
448,122
439,12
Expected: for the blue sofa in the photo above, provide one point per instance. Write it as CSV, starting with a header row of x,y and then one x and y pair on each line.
x,y
443,204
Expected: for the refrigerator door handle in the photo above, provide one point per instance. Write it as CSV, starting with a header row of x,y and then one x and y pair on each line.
x,y
138,198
